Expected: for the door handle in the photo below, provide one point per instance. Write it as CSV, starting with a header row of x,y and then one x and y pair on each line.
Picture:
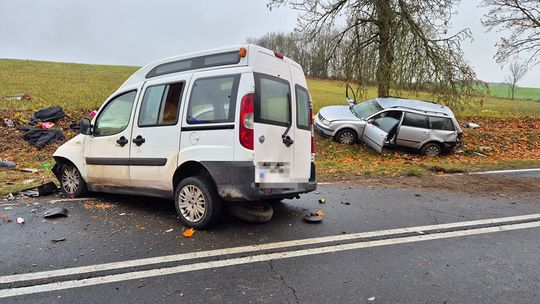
x,y
139,140
287,141
122,141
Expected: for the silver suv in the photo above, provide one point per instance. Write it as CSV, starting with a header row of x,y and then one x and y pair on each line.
x,y
430,128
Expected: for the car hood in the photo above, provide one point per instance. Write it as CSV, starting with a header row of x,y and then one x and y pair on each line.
x,y
332,113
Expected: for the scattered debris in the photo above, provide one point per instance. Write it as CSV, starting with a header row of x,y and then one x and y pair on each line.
x,y
101,206
5,218
314,217
20,220
122,214
317,192
7,164
472,125
9,123
47,125
29,181
19,96
322,201
30,192
8,208
92,114
10,197
40,137
417,195
50,114
169,230
31,170
55,212
345,203
48,188
58,240
371,299
188,233
252,212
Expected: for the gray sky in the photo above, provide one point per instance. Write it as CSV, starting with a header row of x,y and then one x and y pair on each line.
x,y
136,32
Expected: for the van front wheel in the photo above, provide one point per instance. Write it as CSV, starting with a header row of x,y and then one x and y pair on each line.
x,y
197,203
71,181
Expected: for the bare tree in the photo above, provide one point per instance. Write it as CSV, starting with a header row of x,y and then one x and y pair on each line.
x,y
517,72
408,41
522,19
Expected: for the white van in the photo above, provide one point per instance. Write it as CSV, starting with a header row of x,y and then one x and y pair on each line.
x,y
230,124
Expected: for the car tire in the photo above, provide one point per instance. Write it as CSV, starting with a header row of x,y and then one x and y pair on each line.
x,y
346,137
431,149
71,182
197,202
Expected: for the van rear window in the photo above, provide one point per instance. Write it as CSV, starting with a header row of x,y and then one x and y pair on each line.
x,y
303,121
272,100
195,63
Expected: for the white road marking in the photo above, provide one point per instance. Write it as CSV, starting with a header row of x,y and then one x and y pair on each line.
x,y
253,259
254,248
506,171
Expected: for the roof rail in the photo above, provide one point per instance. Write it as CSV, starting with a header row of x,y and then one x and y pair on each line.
x,y
410,108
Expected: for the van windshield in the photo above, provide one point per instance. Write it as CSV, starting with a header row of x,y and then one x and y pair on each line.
x,y
366,109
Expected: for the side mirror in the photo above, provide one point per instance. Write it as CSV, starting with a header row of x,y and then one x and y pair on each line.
x,y
86,127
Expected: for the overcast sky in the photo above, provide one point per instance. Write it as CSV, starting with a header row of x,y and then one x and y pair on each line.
x,y
136,32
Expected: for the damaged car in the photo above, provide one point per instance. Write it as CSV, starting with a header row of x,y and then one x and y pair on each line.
x,y
430,128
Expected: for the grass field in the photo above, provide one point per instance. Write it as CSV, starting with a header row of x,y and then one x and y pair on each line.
x,y
509,137
501,91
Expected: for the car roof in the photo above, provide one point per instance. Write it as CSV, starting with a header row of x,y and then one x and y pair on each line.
x,y
415,105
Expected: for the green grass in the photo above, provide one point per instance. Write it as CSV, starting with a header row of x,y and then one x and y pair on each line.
x,y
501,91
70,85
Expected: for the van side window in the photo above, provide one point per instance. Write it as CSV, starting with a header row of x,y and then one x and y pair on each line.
x,y
160,104
441,123
415,120
114,118
213,100
303,121
272,100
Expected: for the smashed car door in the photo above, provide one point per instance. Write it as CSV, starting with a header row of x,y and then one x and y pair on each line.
x,y
374,137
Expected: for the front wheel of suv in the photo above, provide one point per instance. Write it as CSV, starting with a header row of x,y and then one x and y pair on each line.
x,y
431,149
197,202
346,137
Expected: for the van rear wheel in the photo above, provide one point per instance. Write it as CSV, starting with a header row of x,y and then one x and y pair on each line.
x,y
197,203
71,181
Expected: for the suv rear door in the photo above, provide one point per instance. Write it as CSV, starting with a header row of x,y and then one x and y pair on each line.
x,y
414,130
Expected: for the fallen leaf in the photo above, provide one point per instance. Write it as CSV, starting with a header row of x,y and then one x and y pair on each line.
x,y
188,233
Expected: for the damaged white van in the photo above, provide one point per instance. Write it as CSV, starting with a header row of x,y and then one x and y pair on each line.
x,y
230,124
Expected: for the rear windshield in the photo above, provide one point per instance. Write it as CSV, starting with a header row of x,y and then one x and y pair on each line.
x,y
272,100
366,109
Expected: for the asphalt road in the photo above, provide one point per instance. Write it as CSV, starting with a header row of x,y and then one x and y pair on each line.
x,y
119,249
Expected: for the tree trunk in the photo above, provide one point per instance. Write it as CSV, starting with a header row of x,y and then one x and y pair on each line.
x,y
386,56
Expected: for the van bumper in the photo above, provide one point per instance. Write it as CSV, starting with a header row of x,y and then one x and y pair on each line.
x,y
235,181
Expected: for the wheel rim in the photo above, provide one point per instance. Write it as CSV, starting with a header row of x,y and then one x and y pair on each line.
x,y
192,203
346,138
432,151
71,179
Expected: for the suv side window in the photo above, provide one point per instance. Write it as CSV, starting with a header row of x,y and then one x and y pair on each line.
x,y
415,120
114,118
303,121
272,100
213,99
441,123
160,105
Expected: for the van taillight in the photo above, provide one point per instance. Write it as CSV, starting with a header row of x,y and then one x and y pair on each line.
x,y
246,121
312,131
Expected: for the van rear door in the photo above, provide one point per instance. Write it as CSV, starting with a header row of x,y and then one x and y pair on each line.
x,y
274,130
